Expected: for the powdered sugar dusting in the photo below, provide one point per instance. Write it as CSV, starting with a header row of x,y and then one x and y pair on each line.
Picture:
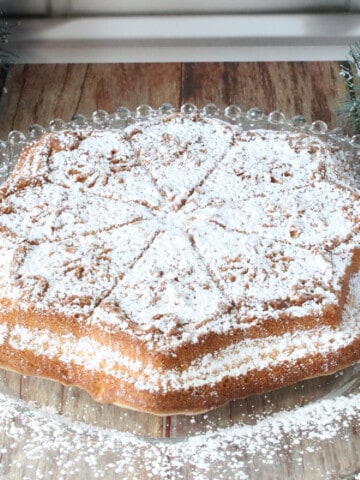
x,y
86,266
290,275
167,286
180,153
287,444
256,207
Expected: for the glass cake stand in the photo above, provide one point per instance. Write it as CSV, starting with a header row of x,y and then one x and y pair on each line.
x,y
308,431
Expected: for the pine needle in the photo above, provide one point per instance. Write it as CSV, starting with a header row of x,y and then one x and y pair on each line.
x,y
349,110
355,54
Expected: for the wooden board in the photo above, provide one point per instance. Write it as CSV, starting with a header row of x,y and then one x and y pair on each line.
x,y
36,94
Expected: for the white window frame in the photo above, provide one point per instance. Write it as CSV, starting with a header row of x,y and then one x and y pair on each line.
x,y
160,7
194,38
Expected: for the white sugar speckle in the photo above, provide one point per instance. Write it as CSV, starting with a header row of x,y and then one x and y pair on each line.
x,y
233,452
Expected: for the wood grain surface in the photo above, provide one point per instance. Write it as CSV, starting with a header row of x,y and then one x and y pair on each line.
x,y
36,94
40,93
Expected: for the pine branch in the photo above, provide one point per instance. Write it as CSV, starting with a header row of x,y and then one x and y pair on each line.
x,y
350,107
355,54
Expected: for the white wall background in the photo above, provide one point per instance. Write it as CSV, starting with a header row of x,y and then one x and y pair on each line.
x,y
52,31
116,7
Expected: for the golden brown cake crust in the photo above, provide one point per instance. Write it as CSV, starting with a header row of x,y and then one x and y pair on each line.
x,y
180,263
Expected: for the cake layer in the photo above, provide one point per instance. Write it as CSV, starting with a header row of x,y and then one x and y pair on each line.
x,y
248,367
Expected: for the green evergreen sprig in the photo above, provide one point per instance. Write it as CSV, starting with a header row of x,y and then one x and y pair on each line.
x,y
350,107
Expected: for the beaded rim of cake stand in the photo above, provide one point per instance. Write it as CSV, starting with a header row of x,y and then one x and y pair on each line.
x,y
251,119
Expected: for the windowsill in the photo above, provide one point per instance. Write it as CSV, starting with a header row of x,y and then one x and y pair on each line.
x,y
299,37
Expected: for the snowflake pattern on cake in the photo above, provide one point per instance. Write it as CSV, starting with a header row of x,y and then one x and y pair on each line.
x,y
177,232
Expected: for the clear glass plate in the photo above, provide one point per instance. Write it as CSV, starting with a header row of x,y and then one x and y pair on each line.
x,y
310,430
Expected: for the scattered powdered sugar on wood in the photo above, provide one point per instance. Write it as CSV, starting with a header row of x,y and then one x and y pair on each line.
x,y
280,445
